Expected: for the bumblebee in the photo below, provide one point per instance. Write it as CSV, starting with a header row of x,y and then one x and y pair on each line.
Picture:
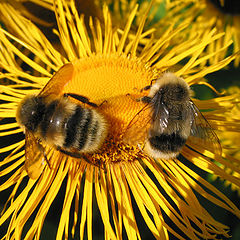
x,y
57,120
168,118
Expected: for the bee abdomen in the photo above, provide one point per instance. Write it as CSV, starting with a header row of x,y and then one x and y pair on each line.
x,y
72,125
167,142
84,130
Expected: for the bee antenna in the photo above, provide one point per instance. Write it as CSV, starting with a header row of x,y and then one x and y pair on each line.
x,y
148,86
153,80
41,148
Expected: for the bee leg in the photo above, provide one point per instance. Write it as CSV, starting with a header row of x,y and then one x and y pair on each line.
x,y
80,98
145,88
145,99
41,148
148,87
132,98
104,101
142,89
77,155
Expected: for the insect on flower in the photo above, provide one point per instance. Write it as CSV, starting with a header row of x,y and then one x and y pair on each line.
x,y
53,118
168,119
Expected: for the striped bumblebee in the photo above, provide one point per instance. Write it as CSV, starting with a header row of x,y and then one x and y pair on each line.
x,y
59,121
168,119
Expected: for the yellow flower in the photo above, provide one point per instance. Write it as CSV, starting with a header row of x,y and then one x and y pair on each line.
x,y
223,15
40,12
108,65
231,141
204,15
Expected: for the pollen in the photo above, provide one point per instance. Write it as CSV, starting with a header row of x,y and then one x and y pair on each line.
x,y
115,151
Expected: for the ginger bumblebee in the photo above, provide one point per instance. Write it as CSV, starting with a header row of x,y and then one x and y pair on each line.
x,y
52,118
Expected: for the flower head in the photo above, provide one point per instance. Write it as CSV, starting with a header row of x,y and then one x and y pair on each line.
x,y
231,142
204,15
222,15
110,66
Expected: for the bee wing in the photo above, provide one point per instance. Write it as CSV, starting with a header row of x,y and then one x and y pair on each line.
x,y
136,130
34,156
56,84
160,115
201,132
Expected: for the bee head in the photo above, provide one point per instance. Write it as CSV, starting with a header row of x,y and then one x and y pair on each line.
x,y
169,87
174,92
30,112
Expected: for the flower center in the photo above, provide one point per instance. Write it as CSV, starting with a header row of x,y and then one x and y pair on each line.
x,y
104,76
114,151
228,6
